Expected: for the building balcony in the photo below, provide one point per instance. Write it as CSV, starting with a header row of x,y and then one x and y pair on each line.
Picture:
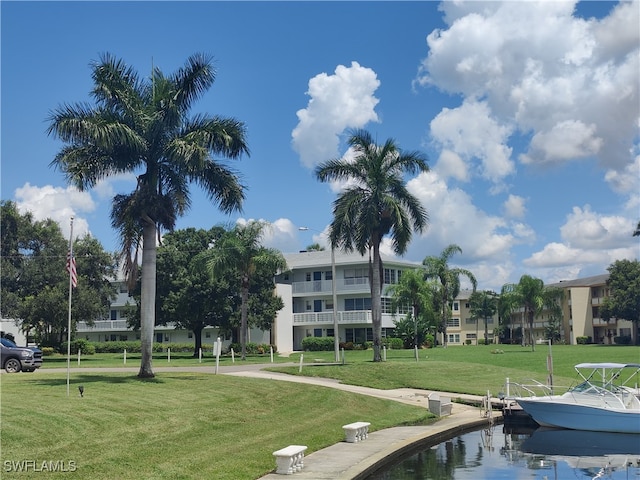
x,y
103,326
316,318
114,326
602,322
357,285
324,287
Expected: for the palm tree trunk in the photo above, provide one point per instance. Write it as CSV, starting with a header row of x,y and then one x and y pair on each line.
x,y
243,318
444,318
147,300
376,303
533,345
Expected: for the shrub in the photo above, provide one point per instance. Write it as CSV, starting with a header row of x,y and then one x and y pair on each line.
x,y
347,345
429,341
318,344
48,351
393,343
583,340
85,347
481,341
252,348
622,340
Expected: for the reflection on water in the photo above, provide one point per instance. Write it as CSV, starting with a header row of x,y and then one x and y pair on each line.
x,y
545,454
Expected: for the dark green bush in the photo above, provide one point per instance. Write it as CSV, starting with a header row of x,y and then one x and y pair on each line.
x,y
85,347
48,351
622,340
583,340
318,344
252,348
393,343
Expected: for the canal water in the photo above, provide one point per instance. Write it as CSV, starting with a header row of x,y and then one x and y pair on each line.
x,y
544,454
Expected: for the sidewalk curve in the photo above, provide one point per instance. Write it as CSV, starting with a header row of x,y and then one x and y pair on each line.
x,y
355,461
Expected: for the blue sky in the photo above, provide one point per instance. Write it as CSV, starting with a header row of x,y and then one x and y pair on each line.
x,y
528,112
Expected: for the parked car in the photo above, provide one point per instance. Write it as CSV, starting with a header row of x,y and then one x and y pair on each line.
x,y
14,358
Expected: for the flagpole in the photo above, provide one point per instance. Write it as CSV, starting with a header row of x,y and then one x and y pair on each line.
x,y
69,259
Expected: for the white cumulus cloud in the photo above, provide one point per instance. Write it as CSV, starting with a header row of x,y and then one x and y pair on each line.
x,y
337,102
58,204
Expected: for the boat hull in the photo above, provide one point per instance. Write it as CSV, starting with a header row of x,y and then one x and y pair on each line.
x,y
550,413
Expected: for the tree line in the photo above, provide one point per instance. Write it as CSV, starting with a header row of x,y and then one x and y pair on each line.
x,y
218,277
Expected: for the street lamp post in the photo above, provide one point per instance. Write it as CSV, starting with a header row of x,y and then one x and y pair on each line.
x,y
336,338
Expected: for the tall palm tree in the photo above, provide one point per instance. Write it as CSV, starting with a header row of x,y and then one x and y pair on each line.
x,y
240,252
437,268
483,305
534,298
142,126
375,203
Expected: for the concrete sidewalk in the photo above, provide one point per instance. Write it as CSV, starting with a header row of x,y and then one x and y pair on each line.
x,y
353,461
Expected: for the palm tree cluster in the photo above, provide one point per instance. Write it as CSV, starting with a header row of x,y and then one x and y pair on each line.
x,y
144,127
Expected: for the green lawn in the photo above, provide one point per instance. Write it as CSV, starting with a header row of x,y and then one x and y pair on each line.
x,y
176,426
196,425
468,369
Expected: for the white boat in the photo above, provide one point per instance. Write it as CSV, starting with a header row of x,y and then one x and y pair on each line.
x,y
602,402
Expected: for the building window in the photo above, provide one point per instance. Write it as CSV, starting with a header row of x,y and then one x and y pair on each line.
x,y
190,335
328,275
453,322
207,334
471,336
359,335
123,338
330,332
470,321
114,314
453,338
308,276
389,276
356,276
317,332
353,304
456,306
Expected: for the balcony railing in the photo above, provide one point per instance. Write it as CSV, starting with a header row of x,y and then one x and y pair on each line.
x,y
115,325
326,286
312,318
102,325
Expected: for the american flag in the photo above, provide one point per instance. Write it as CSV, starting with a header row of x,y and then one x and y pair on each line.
x,y
71,268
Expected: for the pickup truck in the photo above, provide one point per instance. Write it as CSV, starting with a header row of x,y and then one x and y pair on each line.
x,y
14,359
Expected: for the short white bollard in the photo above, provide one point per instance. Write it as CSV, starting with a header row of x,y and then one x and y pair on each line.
x,y
356,432
289,459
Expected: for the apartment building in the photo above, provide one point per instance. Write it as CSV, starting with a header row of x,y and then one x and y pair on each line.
x,y
463,329
307,289
581,307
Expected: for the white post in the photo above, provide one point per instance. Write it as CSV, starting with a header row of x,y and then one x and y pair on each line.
x,y
233,356
200,355
508,395
168,355
217,348
384,353
70,261
271,353
415,348
78,357
301,357
125,356
343,355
